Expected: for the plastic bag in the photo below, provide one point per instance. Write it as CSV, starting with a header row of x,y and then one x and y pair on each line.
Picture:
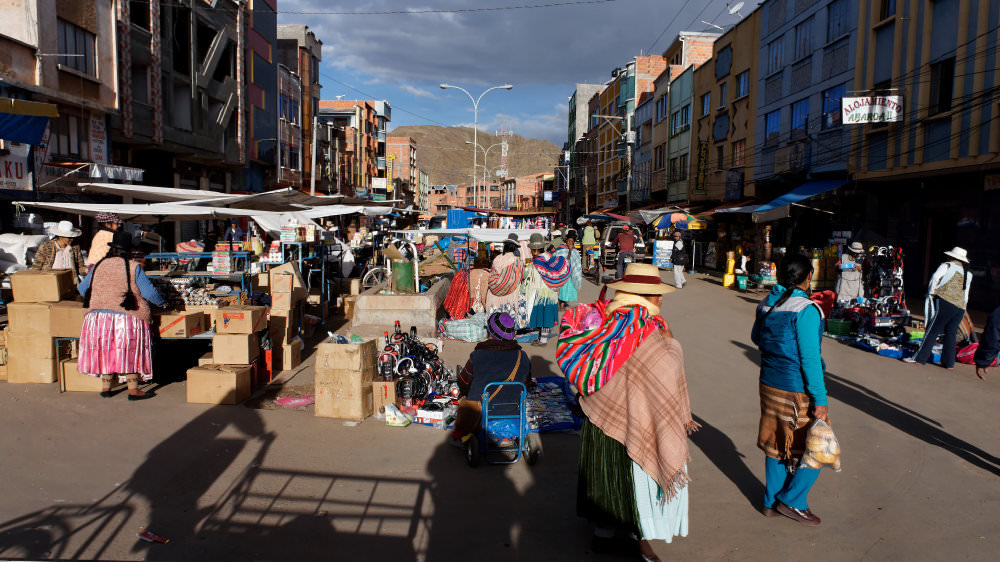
x,y
396,418
822,447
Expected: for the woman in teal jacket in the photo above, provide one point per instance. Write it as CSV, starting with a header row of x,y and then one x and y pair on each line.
x,y
789,333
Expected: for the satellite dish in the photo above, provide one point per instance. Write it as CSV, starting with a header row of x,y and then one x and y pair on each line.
x,y
734,10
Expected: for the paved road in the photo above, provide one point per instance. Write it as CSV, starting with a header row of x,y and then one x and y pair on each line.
x,y
81,475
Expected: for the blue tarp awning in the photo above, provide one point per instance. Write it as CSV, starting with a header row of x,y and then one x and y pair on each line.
x,y
801,193
24,121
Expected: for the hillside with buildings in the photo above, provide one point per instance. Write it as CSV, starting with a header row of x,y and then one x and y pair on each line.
x,y
444,156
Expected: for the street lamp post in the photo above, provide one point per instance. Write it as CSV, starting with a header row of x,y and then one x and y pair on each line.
x,y
475,120
486,155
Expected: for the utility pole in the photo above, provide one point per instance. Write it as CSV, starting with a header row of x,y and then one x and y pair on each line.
x,y
312,154
336,156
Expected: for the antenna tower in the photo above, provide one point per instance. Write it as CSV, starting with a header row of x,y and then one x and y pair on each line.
x,y
504,135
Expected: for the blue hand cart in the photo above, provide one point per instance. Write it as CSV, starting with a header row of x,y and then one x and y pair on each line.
x,y
504,434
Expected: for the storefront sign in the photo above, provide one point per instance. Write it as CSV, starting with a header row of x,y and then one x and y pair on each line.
x,y
702,173
98,140
874,109
390,164
14,172
991,182
378,184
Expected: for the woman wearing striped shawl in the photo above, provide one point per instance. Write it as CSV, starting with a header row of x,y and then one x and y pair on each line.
x,y
505,280
629,372
568,292
539,309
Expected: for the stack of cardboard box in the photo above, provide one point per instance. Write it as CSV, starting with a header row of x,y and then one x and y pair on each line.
x,y
42,310
226,377
287,291
344,375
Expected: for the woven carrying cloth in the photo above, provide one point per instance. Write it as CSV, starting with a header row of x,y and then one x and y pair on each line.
x,y
593,345
554,271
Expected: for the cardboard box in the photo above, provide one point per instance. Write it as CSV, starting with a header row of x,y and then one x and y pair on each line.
x,y
66,319
42,286
283,301
315,296
206,359
287,356
235,349
285,278
208,310
26,318
344,375
3,372
219,384
383,394
75,381
30,359
3,337
180,324
240,319
283,326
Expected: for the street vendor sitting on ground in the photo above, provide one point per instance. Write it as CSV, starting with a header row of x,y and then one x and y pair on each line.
x,y
498,359
62,252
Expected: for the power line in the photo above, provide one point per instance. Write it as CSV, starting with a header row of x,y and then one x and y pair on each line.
x,y
582,3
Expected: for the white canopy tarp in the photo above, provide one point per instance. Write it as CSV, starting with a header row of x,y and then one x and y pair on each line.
x,y
338,210
481,234
145,213
148,192
272,223
650,215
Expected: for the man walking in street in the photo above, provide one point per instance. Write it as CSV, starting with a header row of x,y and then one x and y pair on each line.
x,y
625,243
680,258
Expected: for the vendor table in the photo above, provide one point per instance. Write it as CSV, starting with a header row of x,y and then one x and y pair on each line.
x,y
239,258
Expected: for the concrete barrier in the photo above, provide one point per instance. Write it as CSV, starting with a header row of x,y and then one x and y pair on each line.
x,y
375,313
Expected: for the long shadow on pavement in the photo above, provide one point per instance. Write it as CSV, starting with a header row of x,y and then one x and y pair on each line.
x,y
902,418
724,454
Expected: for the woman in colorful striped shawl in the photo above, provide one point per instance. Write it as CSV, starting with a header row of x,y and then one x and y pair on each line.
x,y
568,292
596,341
541,304
505,280
553,268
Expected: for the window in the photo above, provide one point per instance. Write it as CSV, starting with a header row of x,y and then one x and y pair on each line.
x,y
682,167
672,173
680,120
139,13
743,84
886,8
942,84
739,153
720,157
775,55
832,106
658,157
706,103
661,108
800,117
803,39
77,46
69,135
836,20
723,94
772,125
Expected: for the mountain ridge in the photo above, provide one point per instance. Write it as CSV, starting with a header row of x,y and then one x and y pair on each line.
x,y
447,160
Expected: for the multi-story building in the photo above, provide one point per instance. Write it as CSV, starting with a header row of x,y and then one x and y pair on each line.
x,y
723,120
579,124
403,153
423,190
289,129
440,198
929,177
526,193
301,52
69,70
262,91
807,56
660,135
642,163
383,114
688,51
354,145
617,103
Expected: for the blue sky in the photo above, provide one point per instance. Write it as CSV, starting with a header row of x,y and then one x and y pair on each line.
x,y
542,51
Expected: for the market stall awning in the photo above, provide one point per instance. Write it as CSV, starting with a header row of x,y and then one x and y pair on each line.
x,y
507,212
272,223
481,234
25,121
149,192
801,193
144,214
743,209
339,210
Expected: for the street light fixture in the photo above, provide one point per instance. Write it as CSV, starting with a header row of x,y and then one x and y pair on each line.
x,y
486,155
475,117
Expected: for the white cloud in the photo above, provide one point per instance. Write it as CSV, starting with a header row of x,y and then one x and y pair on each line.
x,y
416,91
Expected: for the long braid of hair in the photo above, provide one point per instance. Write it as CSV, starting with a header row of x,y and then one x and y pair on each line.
x,y
129,302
